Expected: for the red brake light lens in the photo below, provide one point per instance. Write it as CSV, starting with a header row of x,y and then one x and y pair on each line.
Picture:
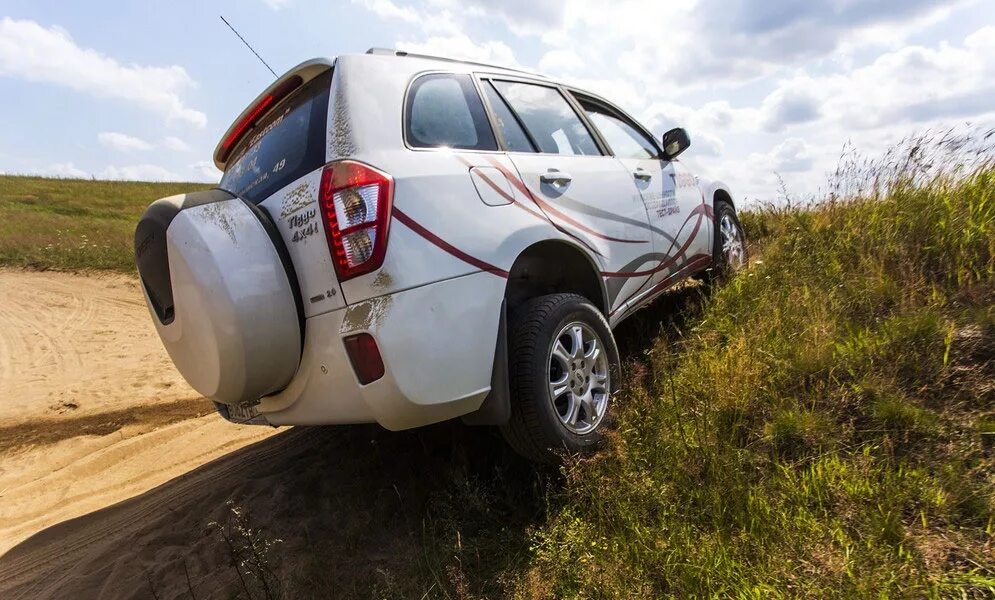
x,y
355,207
260,109
365,357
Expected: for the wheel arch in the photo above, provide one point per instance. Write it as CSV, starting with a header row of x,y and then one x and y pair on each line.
x,y
552,266
720,191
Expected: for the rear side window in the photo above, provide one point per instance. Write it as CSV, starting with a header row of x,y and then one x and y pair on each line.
x,y
286,144
515,138
549,118
444,111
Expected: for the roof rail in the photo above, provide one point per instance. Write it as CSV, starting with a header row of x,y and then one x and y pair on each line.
x,y
392,52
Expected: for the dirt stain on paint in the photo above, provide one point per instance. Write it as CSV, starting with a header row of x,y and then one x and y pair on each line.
x,y
297,199
341,142
366,315
217,214
383,282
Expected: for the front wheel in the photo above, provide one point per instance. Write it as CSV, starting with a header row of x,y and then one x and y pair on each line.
x,y
729,246
562,364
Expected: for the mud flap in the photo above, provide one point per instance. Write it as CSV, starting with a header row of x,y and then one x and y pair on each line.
x,y
496,407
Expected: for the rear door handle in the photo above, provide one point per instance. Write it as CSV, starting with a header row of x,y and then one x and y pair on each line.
x,y
642,174
555,177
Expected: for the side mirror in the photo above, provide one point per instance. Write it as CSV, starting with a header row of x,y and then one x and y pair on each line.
x,y
675,141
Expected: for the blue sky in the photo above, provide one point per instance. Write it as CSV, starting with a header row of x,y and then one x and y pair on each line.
x,y
130,90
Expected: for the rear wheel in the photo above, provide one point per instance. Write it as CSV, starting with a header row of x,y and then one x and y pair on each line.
x,y
562,365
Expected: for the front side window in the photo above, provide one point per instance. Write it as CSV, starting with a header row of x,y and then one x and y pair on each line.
x,y
549,118
444,111
624,140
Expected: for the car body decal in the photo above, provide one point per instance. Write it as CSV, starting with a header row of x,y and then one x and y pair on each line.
x,y
446,246
664,260
698,260
536,212
548,208
698,212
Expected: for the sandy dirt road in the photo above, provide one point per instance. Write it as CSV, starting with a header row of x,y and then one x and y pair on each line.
x,y
92,411
112,470
73,345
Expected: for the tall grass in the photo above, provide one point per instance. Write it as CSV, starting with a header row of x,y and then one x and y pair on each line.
x,y
825,428
73,224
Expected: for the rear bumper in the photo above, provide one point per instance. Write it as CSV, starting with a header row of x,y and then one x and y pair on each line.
x,y
437,343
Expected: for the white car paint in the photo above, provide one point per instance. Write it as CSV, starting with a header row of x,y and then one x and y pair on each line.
x,y
460,219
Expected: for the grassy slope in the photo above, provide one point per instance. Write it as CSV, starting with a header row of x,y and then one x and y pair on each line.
x,y
825,429
74,223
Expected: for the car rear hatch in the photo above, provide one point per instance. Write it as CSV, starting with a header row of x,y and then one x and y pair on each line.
x,y
219,273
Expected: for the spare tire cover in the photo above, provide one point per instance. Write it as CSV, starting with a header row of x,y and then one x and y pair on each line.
x,y
234,332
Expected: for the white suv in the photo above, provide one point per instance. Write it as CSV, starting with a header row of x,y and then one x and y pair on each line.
x,y
407,239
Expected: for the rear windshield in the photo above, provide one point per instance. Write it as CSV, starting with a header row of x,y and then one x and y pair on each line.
x,y
287,144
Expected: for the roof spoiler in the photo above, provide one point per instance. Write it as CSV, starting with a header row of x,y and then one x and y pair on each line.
x,y
271,98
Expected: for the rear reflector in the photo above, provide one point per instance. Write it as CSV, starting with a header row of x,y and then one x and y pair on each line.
x,y
355,207
365,357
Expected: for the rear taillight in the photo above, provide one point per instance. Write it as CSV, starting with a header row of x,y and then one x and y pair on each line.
x,y
355,206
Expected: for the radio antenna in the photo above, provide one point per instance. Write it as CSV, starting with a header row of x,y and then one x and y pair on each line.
x,y
248,46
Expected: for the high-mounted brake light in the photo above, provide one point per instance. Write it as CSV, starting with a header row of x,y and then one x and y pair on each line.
x,y
355,207
261,108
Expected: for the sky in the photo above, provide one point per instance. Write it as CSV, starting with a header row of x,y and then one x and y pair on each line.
x,y
769,91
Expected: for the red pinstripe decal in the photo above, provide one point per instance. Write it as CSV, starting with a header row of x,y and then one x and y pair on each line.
x,y
532,211
697,260
699,211
520,185
446,246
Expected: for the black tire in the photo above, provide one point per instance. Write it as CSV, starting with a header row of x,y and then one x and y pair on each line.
x,y
535,429
722,265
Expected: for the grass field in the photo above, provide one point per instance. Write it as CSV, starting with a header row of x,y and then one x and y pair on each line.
x,y
72,224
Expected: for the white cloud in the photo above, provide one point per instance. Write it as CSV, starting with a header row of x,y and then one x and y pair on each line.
x,y
561,60
462,47
388,10
523,17
913,85
793,155
122,142
277,4
67,170
175,143
440,21
206,171
141,172
789,106
32,52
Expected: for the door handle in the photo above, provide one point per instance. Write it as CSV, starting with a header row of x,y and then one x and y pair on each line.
x,y
642,174
555,177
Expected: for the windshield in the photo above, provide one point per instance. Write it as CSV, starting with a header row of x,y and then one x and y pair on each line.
x,y
287,144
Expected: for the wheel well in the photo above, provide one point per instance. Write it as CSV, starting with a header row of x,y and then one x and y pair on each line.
x,y
551,267
721,194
